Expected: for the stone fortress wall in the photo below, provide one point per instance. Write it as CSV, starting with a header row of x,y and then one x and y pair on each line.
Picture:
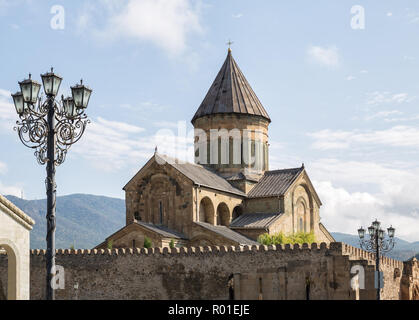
x,y
245,272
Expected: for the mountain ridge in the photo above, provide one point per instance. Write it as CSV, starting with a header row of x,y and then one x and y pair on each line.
x,y
83,221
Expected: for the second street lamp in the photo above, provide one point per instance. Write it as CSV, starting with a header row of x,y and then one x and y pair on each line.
x,y
50,128
377,244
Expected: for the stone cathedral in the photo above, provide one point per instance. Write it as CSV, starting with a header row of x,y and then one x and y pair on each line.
x,y
229,196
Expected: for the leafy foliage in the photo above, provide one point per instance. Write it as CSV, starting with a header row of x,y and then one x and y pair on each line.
x,y
110,244
147,242
281,238
172,244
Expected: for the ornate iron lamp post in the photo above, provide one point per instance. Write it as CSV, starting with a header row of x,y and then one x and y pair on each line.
x,y
377,244
50,127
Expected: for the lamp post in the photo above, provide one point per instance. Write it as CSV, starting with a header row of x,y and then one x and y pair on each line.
x,y
377,244
50,127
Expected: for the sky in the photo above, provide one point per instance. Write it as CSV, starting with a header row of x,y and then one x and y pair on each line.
x,y
338,78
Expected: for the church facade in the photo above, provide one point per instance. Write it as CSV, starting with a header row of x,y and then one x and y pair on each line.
x,y
228,196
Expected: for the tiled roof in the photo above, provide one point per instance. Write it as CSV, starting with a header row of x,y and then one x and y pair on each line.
x,y
275,183
255,220
242,176
201,175
231,93
162,230
228,233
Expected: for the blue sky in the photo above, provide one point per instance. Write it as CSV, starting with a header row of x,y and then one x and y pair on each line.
x,y
344,101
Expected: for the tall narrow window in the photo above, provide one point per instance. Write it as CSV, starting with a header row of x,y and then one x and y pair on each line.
x,y
260,289
231,287
161,212
301,224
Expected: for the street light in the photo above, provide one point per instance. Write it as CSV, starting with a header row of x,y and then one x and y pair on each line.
x,y
50,127
377,244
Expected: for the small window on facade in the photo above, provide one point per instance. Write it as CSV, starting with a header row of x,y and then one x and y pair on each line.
x,y
137,215
301,224
161,212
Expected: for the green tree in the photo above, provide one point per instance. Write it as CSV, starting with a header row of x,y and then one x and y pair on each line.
x,y
280,238
110,244
147,242
172,244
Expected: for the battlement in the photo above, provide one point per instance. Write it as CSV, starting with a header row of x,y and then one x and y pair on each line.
x,y
360,254
204,272
336,246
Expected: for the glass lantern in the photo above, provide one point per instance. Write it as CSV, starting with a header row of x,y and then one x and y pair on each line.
x,y
69,107
30,90
361,233
19,102
81,95
51,83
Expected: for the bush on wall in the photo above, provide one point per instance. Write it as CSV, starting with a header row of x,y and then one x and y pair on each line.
x,y
280,238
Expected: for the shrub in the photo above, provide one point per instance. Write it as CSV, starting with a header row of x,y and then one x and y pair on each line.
x,y
280,238
172,244
110,244
147,242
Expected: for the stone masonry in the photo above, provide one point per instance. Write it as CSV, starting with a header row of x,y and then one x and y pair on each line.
x,y
243,272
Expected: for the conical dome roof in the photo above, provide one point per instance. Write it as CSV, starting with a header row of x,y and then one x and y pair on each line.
x,y
231,93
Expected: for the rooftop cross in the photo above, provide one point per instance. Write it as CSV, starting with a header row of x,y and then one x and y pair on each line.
x,y
229,43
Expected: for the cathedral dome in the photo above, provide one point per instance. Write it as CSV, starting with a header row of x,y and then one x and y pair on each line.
x,y
230,93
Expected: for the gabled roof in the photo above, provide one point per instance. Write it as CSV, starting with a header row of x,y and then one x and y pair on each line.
x,y
196,173
275,183
228,233
9,208
255,220
231,93
162,230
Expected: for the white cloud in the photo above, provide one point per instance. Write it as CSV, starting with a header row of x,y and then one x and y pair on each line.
x,y
382,191
389,14
3,168
384,114
165,23
327,56
112,146
8,190
8,114
345,212
385,97
238,15
398,136
350,78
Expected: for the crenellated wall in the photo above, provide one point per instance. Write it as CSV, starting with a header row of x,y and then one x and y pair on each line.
x,y
256,272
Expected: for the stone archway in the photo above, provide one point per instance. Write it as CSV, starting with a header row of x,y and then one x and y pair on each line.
x,y
301,216
302,194
11,287
223,215
206,211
